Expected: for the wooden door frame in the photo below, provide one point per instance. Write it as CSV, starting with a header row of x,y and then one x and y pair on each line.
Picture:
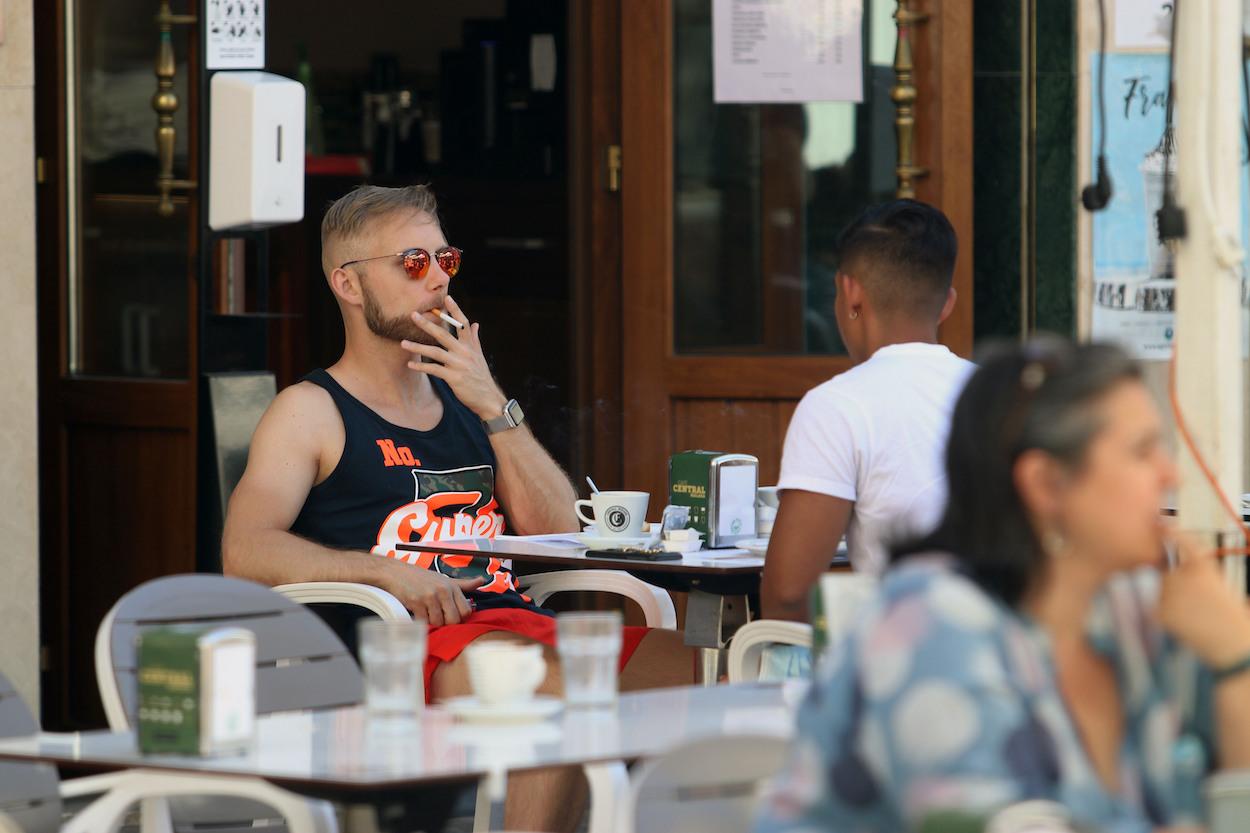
x,y
595,219
653,372
65,400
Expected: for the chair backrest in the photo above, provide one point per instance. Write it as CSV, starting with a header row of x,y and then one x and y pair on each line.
x,y
708,785
29,793
751,641
238,401
300,663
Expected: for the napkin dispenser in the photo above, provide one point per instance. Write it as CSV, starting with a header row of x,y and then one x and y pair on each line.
x,y
719,488
197,690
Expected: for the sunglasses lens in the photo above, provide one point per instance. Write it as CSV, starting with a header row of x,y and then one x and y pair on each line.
x,y
416,263
449,260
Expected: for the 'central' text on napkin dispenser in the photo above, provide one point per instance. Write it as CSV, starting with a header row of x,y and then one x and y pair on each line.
x,y
719,488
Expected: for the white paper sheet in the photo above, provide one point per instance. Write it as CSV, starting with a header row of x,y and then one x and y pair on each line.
x,y
735,498
787,50
235,34
1142,24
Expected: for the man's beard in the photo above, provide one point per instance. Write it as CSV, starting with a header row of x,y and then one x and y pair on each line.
x,y
393,329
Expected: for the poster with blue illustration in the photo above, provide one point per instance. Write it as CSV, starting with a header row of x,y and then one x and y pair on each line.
x,y
1134,281
1133,278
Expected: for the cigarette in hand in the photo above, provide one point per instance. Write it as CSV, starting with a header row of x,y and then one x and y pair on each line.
x,y
453,322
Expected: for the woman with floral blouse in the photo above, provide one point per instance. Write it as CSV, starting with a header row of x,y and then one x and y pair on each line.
x,y
1032,647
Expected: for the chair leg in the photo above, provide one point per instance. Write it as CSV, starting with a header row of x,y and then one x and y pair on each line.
x,y
609,790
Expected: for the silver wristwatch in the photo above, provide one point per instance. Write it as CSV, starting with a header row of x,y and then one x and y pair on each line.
x,y
511,417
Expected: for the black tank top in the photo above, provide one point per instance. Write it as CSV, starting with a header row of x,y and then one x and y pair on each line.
x,y
397,485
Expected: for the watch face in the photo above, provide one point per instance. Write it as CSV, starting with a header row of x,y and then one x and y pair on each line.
x,y
513,412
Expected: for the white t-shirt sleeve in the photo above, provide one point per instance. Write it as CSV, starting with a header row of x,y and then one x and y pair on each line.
x,y
821,452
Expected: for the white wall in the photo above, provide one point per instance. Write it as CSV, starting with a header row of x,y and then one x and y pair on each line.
x,y
19,492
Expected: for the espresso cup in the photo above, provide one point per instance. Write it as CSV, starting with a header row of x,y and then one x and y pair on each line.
x,y
616,514
505,672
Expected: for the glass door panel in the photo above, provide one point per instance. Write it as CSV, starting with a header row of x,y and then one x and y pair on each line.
x,y
761,192
128,279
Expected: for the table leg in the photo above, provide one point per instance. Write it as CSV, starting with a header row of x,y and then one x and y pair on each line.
x,y
711,620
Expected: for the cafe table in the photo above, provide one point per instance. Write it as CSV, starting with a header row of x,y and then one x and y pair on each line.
x,y
343,755
720,583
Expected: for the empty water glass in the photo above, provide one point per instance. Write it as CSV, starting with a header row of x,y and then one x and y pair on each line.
x,y
590,650
392,655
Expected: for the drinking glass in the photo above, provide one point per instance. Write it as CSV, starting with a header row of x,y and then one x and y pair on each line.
x,y
590,649
392,655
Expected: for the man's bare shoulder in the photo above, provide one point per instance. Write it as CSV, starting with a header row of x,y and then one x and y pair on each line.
x,y
304,412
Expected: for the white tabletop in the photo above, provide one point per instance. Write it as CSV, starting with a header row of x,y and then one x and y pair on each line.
x,y
570,546
343,748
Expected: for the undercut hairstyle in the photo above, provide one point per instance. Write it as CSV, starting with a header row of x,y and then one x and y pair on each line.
x,y
1043,395
351,215
903,253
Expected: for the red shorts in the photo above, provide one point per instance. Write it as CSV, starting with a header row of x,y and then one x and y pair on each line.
x,y
446,642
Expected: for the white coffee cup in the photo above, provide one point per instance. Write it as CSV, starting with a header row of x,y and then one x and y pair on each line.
x,y
505,672
616,514
767,496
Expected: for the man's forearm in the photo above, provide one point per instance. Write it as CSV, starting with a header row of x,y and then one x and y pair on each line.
x,y
274,556
539,497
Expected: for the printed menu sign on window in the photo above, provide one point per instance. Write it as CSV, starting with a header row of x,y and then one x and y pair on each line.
x,y
787,50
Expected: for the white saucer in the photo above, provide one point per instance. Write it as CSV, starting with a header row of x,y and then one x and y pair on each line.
x,y
755,546
472,710
604,542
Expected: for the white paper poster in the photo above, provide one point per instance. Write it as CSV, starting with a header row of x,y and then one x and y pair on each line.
x,y
235,34
787,50
1142,24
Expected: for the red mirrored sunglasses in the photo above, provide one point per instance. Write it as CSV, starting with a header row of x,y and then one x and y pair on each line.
x,y
417,261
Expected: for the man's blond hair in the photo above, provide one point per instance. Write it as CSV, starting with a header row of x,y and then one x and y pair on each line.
x,y
352,214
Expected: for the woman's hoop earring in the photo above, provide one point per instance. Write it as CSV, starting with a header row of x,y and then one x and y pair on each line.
x,y
854,314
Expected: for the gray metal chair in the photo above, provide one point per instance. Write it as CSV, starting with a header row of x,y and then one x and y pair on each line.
x,y
300,664
30,797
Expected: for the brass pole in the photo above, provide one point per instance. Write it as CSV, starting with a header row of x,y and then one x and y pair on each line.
x,y
903,94
165,103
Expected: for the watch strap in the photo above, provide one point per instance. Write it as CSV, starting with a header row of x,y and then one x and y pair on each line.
x,y
511,417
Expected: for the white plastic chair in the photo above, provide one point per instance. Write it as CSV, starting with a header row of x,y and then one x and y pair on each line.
x,y
657,605
1227,796
746,649
843,597
706,786
607,780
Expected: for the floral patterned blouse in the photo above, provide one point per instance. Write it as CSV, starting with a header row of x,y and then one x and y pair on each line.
x,y
943,698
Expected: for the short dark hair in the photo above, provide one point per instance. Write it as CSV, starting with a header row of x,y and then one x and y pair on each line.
x,y
1039,395
903,252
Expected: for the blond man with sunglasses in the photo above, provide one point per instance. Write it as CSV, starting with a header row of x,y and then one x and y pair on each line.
x,y
408,438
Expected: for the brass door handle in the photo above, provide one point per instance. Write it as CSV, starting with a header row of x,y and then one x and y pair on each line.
x,y
903,94
165,103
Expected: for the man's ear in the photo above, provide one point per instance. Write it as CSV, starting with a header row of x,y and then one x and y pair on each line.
x,y
951,297
346,286
852,290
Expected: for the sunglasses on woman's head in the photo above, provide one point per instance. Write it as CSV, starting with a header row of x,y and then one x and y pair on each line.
x,y
416,262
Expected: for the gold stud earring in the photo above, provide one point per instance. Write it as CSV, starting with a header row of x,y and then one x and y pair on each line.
x,y
1054,543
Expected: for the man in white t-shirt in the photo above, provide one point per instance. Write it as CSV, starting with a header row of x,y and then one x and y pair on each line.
x,y
864,451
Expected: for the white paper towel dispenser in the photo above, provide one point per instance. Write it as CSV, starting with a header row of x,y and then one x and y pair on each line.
x,y
256,150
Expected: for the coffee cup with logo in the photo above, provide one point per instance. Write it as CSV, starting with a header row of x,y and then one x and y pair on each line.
x,y
615,514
